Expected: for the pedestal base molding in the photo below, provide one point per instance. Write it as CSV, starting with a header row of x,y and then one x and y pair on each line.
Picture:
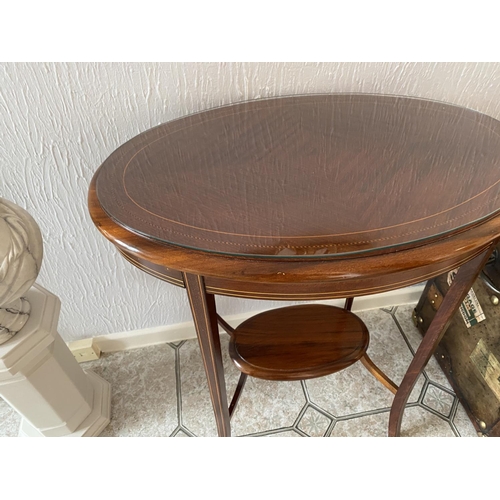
x,y
42,381
94,423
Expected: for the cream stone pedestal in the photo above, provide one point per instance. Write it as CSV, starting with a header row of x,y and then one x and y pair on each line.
x,y
41,380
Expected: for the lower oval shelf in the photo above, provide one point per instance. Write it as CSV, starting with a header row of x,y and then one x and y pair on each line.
x,y
298,342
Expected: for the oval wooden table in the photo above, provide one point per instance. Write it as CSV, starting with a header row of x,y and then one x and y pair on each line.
x,y
302,198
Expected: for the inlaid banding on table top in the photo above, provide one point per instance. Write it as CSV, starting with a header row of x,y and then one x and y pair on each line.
x,y
307,176
239,288
153,272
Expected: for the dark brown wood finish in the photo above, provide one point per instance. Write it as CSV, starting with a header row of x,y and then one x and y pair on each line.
x,y
298,342
301,198
237,393
378,373
295,279
239,179
463,282
205,322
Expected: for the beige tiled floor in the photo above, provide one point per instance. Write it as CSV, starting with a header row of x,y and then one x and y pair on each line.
x,y
162,391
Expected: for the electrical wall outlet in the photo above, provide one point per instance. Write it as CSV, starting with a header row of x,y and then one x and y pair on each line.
x,y
84,350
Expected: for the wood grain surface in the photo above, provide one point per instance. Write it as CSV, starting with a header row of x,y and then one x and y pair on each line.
x,y
298,342
302,198
307,176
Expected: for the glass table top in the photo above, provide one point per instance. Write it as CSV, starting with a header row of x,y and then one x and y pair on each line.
x,y
311,176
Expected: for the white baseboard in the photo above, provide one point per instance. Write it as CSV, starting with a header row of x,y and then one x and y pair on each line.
x,y
182,331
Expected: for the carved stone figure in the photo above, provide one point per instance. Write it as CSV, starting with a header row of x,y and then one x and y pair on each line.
x,y
21,252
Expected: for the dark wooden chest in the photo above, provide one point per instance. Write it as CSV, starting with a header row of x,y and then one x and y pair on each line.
x,y
470,356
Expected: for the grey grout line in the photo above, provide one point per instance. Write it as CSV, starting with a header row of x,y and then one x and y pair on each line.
x,y
367,413
401,331
187,431
302,412
412,405
330,428
455,429
405,338
454,408
301,432
376,411
453,414
435,412
183,429
390,310
442,387
270,432
423,392
267,432
321,410
305,390
178,386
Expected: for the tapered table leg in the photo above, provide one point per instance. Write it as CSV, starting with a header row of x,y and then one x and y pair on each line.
x,y
462,283
205,320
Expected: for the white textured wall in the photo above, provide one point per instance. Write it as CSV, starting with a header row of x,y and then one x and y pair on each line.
x,y
58,122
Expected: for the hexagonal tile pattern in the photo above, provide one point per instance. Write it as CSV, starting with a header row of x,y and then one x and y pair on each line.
x,y
375,425
314,423
143,391
146,392
418,422
197,411
355,390
404,316
285,434
439,400
267,404
348,392
388,349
